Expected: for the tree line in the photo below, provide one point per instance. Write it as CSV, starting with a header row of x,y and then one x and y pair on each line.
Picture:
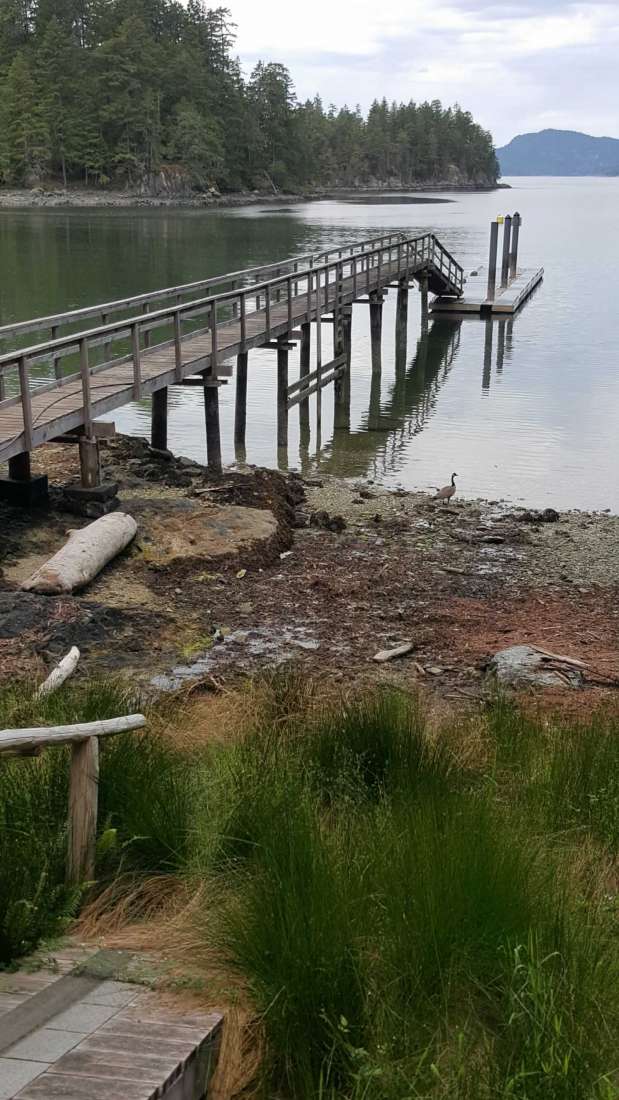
x,y
133,92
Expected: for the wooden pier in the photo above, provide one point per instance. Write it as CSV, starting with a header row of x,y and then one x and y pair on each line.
x,y
183,335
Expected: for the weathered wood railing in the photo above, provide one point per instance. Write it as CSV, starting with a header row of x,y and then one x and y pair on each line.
x,y
317,288
83,779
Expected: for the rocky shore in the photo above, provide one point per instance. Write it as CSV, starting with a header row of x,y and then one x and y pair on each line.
x,y
74,198
233,574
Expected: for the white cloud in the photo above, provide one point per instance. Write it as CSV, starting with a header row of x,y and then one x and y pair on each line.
x,y
513,66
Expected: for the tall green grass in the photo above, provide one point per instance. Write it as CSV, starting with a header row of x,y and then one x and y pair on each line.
x,y
145,804
406,922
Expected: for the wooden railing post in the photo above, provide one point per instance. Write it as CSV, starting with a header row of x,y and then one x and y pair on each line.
x,y
243,321
56,359
146,309
267,306
26,401
178,349
83,800
135,351
85,377
289,293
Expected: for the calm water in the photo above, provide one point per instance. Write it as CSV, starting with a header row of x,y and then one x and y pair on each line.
x,y
525,410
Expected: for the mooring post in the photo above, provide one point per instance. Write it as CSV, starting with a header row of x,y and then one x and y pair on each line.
x,y
513,256
240,404
211,419
507,233
282,391
376,328
90,462
159,419
492,254
487,374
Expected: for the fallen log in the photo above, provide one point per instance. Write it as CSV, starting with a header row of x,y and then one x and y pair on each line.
x,y
63,670
391,654
85,554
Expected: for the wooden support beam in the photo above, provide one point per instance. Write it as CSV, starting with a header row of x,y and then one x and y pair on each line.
x,y
159,419
282,394
240,407
90,462
275,345
401,323
304,369
213,435
376,329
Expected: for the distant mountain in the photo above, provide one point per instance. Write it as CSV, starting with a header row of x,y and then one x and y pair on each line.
x,y
559,153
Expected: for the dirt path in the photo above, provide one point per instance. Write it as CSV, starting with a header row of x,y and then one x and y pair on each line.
x,y
228,576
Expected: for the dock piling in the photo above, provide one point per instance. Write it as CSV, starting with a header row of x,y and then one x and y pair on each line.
x,y
282,392
240,404
159,419
513,256
492,255
90,462
507,232
423,287
211,418
376,328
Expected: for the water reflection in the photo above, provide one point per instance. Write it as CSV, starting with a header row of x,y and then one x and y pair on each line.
x,y
390,424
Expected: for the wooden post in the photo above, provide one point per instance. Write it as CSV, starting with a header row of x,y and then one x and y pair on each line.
x,y
401,321
282,392
304,369
240,405
507,233
19,466
26,401
376,328
159,419
90,464
341,407
423,287
211,418
494,243
83,798
513,256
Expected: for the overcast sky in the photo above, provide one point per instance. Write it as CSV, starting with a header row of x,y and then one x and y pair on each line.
x,y
517,66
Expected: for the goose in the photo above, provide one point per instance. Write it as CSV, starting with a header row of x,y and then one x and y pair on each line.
x,y
448,491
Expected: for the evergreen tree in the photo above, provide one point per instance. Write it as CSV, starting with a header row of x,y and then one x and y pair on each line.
x,y
114,90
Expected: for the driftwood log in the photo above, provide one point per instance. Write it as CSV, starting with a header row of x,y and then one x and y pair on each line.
x,y
85,554
63,670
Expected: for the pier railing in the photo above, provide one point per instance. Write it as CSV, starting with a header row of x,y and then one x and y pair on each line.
x,y
308,291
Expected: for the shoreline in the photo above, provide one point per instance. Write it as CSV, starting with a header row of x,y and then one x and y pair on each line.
x,y
235,574
58,198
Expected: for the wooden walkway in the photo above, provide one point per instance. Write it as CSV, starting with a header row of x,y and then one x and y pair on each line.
x,y
102,368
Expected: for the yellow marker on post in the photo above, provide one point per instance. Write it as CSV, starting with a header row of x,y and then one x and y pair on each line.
x,y
500,219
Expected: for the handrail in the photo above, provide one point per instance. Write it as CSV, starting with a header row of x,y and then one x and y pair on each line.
x,y
195,305
312,279
52,320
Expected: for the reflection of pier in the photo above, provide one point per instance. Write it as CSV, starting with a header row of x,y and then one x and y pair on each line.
x,y
389,426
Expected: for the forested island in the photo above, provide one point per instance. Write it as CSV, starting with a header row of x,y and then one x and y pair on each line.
x,y
149,95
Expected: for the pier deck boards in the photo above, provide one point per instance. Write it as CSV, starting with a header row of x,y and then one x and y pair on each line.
x,y
59,406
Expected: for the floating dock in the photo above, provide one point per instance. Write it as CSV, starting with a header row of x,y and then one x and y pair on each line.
x,y
507,299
